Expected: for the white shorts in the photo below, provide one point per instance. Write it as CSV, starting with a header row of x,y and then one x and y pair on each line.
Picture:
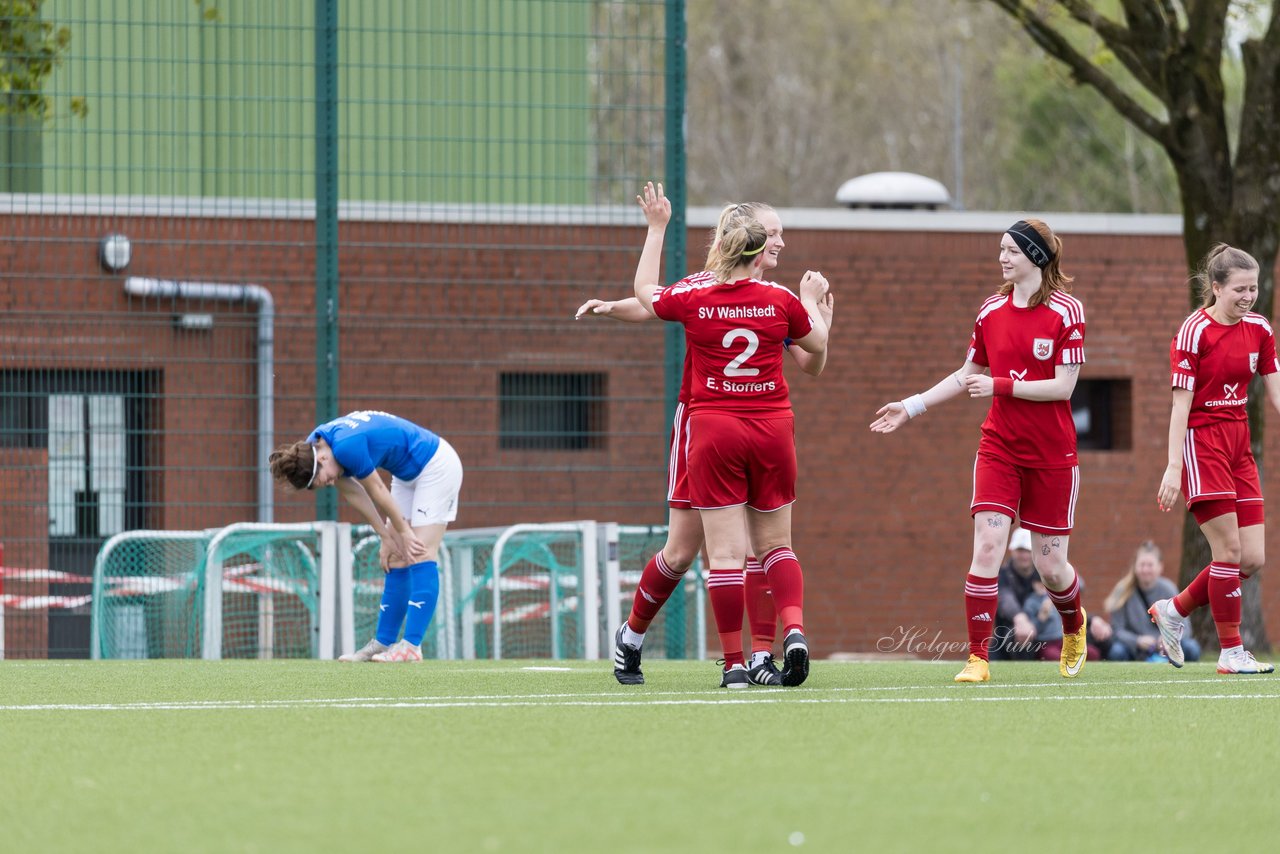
x,y
432,497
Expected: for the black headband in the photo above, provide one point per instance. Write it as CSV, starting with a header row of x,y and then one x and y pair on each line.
x,y
1031,243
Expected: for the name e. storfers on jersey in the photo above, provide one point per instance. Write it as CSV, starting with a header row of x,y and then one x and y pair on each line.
x,y
741,388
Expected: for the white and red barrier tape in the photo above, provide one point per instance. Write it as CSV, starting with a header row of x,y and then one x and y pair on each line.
x,y
235,579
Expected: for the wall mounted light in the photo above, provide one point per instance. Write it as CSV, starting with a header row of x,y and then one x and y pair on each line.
x,y
114,252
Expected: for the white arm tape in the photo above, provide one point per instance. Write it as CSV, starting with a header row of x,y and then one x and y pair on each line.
x,y
915,405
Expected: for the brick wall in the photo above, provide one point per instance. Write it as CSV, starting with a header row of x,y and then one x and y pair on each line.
x,y
432,313
24,495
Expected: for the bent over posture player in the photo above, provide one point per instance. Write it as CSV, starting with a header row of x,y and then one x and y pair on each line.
x,y
1213,357
410,517
1031,336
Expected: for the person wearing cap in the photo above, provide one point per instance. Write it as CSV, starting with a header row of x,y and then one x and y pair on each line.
x,y
410,517
1030,335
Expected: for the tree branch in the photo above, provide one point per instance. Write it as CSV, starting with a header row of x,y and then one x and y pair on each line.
x,y
1124,42
1054,44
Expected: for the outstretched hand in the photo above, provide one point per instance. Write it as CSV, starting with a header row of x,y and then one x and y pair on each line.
x,y
593,307
892,416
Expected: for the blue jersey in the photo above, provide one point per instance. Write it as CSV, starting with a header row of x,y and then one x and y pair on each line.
x,y
368,440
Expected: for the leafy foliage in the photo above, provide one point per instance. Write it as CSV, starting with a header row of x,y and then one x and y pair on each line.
x,y
30,49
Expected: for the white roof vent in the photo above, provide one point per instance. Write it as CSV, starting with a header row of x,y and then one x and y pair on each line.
x,y
893,191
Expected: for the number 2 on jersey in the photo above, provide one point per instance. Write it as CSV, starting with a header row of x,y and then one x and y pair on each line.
x,y
734,368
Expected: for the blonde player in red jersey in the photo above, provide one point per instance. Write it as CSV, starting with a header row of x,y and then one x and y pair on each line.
x,y
665,570
1213,357
1031,336
741,448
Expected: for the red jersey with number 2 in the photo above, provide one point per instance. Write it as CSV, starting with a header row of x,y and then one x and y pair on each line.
x,y
736,331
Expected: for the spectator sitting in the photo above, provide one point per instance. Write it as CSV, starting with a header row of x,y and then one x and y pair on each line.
x,y
1014,638
1136,637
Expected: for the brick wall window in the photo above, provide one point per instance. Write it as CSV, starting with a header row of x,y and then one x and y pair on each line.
x,y
1103,412
551,411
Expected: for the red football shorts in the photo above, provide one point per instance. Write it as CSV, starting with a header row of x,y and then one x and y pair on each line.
x,y
678,465
735,461
1218,465
1044,500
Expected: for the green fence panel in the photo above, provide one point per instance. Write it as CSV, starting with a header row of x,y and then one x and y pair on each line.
x,y
231,218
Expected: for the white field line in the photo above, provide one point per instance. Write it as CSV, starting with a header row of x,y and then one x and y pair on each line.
x,y
617,703
966,694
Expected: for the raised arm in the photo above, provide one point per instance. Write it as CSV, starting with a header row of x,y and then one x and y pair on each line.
x,y
657,212
1171,483
894,415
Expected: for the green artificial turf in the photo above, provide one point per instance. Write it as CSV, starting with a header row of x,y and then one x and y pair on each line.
x,y
313,756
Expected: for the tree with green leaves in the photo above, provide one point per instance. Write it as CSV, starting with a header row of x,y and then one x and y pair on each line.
x,y
30,49
1159,64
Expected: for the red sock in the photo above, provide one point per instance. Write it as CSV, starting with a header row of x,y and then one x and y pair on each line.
x,y
762,617
724,589
657,583
980,596
1068,604
787,582
1195,596
1224,602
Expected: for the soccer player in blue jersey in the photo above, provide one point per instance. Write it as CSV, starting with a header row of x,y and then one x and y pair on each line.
x,y
410,517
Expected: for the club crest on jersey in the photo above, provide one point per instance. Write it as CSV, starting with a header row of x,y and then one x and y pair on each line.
x,y
1253,363
1042,348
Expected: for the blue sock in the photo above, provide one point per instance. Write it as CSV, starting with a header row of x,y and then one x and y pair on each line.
x,y
395,601
424,588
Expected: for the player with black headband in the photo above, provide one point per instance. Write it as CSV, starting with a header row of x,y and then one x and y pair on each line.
x,y
1030,335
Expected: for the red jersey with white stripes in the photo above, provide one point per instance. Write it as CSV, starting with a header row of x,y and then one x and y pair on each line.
x,y
1029,344
736,332
706,277
686,371
1215,362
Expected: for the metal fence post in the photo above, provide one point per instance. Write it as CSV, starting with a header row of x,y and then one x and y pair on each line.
x,y
326,228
